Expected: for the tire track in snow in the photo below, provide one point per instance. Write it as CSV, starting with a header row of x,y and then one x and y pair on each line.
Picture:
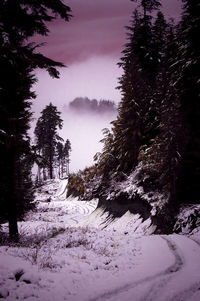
x,y
80,209
160,290
189,292
167,274
84,208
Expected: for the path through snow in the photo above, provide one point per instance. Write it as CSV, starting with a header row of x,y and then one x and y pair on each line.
x,y
58,260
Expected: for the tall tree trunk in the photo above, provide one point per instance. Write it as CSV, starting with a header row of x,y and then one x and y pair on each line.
x,y
50,162
63,163
39,174
11,193
67,167
44,174
59,169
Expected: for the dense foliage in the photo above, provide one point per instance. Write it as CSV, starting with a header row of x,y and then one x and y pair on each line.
x,y
84,183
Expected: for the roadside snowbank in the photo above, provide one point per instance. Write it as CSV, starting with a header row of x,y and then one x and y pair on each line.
x,y
132,223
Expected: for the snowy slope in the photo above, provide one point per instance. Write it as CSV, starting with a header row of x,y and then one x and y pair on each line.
x,y
61,259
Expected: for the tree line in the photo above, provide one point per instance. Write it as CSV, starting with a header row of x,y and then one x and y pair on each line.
x,y
151,156
86,105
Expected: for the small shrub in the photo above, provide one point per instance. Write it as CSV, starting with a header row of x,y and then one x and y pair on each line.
x,y
77,243
18,274
84,183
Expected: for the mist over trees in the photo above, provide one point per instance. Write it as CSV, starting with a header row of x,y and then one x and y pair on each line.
x,y
150,163
83,127
86,105
20,21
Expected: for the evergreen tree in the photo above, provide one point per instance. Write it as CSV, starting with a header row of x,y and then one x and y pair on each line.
x,y
59,155
47,136
106,162
15,83
136,122
164,110
148,5
19,21
63,154
171,127
66,152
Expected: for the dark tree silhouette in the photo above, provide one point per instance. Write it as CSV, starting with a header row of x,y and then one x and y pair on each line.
x,y
19,21
47,136
66,153
188,85
63,154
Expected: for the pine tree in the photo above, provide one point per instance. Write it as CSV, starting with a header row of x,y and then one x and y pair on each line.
x,y
148,5
106,162
19,21
15,82
66,152
63,154
47,136
59,155
140,65
171,120
133,127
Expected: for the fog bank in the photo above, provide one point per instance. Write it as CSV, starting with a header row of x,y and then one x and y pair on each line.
x,y
84,130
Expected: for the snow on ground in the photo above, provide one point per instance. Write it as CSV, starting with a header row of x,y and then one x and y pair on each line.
x,y
62,257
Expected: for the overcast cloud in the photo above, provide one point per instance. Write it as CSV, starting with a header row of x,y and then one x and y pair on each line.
x,y
96,29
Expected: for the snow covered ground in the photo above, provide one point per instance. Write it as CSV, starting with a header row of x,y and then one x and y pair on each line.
x,y
62,257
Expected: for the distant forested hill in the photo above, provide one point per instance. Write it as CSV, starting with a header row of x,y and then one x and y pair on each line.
x,y
84,104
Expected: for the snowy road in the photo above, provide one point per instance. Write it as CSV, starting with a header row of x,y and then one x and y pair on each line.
x,y
58,260
178,282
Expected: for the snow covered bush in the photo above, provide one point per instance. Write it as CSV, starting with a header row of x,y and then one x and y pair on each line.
x,y
84,183
188,219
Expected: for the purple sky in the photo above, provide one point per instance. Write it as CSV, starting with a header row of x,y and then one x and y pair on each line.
x,y
90,45
97,29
